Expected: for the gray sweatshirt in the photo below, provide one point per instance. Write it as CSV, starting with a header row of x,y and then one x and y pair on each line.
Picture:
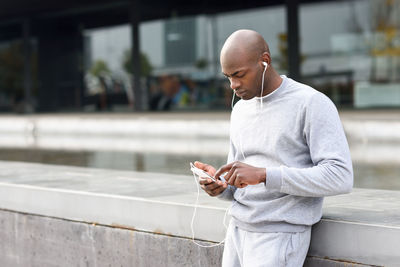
x,y
298,137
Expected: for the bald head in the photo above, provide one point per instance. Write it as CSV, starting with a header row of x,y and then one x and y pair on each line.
x,y
243,59
243,46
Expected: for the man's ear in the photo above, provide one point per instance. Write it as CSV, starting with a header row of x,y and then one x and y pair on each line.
x,y
266,58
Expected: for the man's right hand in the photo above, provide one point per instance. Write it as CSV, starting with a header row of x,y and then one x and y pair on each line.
x,y
212,188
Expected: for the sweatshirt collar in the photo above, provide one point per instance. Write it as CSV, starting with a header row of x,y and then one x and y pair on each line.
x,y
271,96
274,94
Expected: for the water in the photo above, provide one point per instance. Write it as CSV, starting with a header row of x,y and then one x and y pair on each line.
x,y
132,161
376,174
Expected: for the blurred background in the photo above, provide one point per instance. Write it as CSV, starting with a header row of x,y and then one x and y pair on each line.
x,y
135,58
84,55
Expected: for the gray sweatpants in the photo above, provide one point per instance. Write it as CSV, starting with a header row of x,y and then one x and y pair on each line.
x,y
251,249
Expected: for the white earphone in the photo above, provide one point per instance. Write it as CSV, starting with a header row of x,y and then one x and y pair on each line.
x,y
262,83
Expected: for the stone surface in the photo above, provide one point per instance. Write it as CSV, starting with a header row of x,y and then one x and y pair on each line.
x,y
319,262
361,227
29,240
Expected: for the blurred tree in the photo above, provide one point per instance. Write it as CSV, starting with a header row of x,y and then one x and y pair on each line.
x,y
145,65
283,52
201,64
385,46
99,68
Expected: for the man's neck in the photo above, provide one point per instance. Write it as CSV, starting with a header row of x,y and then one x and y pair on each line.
x,y
272,82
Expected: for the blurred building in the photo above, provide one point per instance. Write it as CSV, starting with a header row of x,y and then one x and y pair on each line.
x,y
74,56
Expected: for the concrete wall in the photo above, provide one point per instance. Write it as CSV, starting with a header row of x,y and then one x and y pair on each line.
x,y
29,240
32,240
70,216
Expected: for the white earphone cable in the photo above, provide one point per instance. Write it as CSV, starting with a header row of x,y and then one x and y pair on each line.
x,y
233,98
194,214
262,85
197,182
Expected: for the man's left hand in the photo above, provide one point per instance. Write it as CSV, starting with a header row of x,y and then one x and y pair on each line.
x,y
240,174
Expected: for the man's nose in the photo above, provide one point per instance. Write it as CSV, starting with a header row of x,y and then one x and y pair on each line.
x,y
235,84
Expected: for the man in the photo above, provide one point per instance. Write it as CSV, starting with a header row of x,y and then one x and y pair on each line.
x,y
287,151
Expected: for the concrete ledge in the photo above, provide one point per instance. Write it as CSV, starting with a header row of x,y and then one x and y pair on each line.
x,y
356,242
130,199
362,227
33,240
29,240
113,210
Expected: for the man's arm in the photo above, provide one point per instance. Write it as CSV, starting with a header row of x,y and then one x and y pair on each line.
x,y
332,172
228,193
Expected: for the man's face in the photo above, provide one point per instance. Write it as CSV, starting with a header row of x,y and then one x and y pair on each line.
x,y
244,76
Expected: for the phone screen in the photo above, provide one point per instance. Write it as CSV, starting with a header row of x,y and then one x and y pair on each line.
x,y
200,172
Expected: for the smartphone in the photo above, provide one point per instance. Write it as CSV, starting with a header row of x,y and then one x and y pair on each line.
x,y
202,174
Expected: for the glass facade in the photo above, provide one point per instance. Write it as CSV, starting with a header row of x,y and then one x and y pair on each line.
x,y
181,68
349,51
12,64
107,69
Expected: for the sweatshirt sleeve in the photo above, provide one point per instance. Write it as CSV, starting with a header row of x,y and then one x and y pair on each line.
x,y
227,194
332,172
